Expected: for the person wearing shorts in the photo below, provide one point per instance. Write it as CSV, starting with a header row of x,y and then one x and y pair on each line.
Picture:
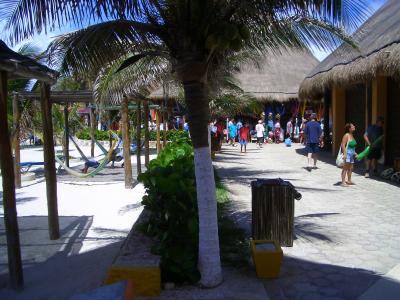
x,y
244,136
371,136
348,146
313,134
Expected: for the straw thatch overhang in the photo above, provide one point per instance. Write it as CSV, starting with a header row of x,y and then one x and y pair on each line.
x,y
378,53
279,76
61,97
18,66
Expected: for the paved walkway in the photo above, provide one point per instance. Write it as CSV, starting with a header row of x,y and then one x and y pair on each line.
x,y
346,238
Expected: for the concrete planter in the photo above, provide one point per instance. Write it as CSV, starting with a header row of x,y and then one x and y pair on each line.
x,y
267,257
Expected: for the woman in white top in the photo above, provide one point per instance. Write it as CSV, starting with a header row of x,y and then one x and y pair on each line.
x,y
260,133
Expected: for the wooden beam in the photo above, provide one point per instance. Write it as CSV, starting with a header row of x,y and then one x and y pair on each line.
x,y
20,71
164,114
138,140
127,144
338,120
146,134
158,131
66,135
92,130
16,142
9,203
49,163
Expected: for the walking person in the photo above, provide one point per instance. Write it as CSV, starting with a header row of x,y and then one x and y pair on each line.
x,y
244,136
289,128
371,136
349,154
260,133
313,135
232,132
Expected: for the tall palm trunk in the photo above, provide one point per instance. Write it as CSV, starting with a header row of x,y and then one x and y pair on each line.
x,y
197,103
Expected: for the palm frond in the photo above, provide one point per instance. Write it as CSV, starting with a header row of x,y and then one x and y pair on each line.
x,y
99,45
140,77
27,17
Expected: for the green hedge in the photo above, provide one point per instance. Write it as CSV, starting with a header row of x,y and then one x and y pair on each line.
x,y
98,134
172,135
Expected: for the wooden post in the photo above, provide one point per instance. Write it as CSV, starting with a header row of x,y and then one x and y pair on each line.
x,y
92,130
109,128
127,144
158,131
66,135
138,140
9,204
146,133
164,112
17,154
49,162
338,117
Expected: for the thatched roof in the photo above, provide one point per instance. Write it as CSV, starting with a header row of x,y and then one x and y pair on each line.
x,y
378,52
279,75
19,66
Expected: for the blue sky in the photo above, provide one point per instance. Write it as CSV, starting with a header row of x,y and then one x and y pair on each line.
x,y
42,40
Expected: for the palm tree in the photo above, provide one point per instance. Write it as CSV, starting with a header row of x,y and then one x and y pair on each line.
x,y
195,36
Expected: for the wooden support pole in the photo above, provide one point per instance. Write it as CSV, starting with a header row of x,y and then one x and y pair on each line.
x,y
164,113
109,128
9,204
16,141
92,130
66,135
49,162
127,144
146,133
158,131
138,139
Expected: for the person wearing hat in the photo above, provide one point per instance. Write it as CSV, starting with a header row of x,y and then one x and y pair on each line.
x,y
371,138
313,134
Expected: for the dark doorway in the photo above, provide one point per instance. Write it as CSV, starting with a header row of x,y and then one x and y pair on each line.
x,y
392,150
356,111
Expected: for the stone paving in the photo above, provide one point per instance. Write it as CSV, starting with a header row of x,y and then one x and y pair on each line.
x,y
346,238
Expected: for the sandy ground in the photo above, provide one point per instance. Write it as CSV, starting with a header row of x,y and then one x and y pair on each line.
x,y
95,216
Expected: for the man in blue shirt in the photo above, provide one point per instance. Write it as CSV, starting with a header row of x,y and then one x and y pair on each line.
x,y
373,137
313,134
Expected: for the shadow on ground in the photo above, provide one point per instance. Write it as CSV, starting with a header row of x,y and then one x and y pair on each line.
x,y
359,167
57,269
303,279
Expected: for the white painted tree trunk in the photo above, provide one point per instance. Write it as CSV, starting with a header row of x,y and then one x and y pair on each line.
x,y
209,258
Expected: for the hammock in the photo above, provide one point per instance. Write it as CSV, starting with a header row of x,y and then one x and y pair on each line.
x,y
93,173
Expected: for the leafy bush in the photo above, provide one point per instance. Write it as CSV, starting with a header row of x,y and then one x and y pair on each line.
x,y
171,199
172,135
84,134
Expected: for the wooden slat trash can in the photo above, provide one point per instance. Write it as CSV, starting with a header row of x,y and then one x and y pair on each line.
x,y
273,210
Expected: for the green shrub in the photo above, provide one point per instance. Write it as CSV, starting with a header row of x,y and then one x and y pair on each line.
x,y
171,199
84,134
172,135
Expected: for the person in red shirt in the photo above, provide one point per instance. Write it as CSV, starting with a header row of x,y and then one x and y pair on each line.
x,y
244,136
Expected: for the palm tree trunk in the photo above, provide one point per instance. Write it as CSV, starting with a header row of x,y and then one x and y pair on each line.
x,y
198,110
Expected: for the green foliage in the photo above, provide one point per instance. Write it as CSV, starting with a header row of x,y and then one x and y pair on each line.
x,y
84,134
171,199
172,135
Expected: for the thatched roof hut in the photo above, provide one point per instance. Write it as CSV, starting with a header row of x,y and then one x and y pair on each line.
x,y
378,52
279,75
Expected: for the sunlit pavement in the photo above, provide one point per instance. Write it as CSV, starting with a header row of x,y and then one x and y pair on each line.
x,y
346,238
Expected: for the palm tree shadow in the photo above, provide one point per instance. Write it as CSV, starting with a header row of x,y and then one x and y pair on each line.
x,y
310,231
